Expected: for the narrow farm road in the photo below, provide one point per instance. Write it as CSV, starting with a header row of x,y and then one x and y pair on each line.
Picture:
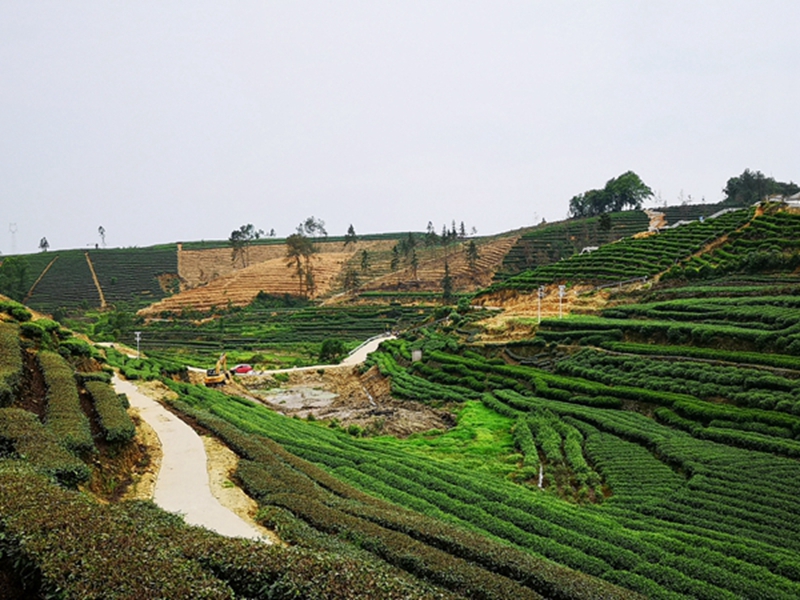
x,y
356,357
182,485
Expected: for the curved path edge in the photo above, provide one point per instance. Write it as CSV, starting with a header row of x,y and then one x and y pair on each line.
x,y
182,484
356,357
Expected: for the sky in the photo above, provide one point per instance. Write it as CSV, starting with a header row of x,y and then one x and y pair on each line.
x,y
166,121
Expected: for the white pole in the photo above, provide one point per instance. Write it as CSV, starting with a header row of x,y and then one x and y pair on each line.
x,y
561,292
138,335
541,295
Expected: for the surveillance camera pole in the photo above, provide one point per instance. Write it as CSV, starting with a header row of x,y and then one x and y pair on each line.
x,y
138,335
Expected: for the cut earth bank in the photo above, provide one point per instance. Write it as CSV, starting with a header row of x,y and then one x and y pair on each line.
x,y
349,398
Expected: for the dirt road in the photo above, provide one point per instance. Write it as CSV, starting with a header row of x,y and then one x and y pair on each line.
x,y
182,485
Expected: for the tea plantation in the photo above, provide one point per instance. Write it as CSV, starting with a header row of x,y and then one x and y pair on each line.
x,y
648,447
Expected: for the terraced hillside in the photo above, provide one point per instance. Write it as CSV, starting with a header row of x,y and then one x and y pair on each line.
x,y
670,494
549,243
689,212
134,276
647,447
240,287
65,456
431,267
68,283
639,257
258,329
770,243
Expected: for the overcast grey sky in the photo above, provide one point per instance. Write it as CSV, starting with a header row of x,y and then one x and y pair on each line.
x,y
167,121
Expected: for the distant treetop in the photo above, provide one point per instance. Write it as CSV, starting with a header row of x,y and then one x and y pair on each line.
x,y
753,186
619,193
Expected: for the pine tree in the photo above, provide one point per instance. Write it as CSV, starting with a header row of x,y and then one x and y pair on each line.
x,y
350,237
472,256
447,285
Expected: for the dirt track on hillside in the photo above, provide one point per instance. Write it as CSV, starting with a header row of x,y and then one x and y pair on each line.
x,y
193,475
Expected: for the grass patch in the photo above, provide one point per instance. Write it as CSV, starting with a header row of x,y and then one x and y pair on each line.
x,y
481,441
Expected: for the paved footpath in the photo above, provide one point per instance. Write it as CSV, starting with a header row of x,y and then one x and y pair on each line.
x,y
182,483
356,357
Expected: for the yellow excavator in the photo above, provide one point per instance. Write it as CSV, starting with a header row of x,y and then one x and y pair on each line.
x,y
219,375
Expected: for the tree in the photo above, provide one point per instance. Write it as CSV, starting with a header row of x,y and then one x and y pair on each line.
x,y
102,231
447,284
619,193
472,256
605,224
313,227
44,244
395,258
240,242
462,231
350,237
406,246
332,351
364,261
118,324
13,274
311,282
431,239
351,280
448,237
299,252
753,186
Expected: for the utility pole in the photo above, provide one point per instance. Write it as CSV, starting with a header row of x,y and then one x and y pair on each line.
x,y
561,293
541,295
138,335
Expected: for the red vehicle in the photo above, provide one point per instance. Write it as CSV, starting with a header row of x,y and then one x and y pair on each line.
x,y
241,369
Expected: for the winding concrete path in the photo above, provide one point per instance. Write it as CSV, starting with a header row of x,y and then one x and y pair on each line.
x,y
356,357
182,484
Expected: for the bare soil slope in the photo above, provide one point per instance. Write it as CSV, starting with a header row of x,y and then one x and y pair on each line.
x,y
430,270
241,286
350,398
521,311
199,267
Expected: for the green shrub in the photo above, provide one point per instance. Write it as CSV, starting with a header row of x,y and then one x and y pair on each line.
x,y
29,439
32,330
67,546
76,347
114,420
20,313
10,363
63,414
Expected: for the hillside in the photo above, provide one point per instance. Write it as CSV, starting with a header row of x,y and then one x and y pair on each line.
x,y
550,242
238,288
633,257
63,279
431,268
68,453
642,440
